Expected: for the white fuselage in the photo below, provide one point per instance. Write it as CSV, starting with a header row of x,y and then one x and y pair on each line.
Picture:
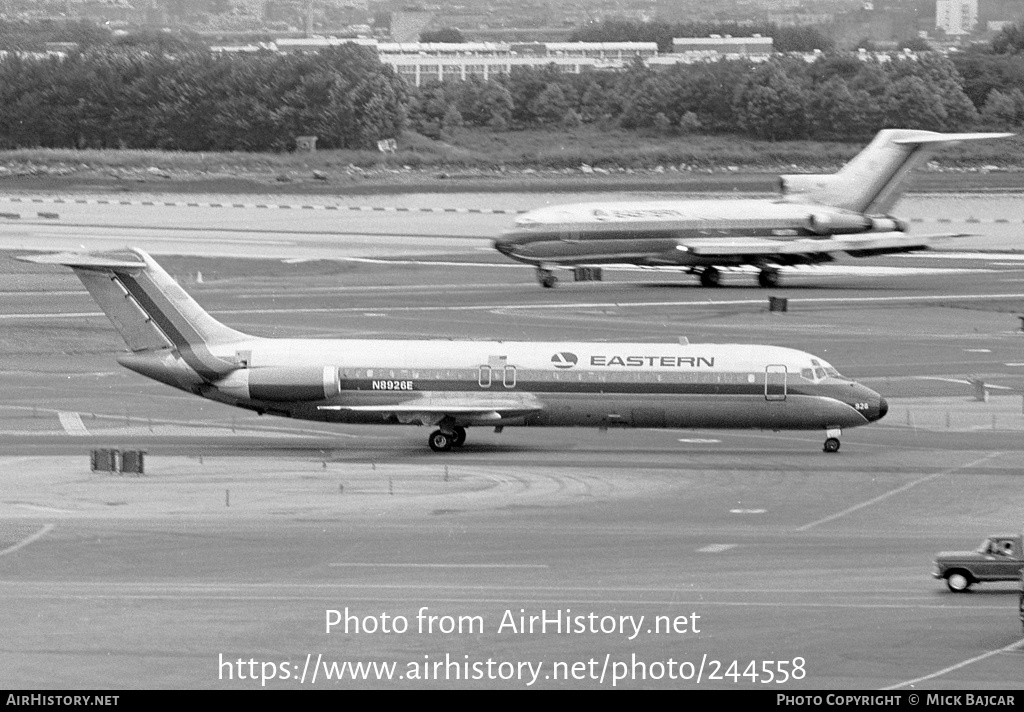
x,y
660,232
529,383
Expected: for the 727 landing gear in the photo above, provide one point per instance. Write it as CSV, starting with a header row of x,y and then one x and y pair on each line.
x,y
710,277
832,440
546,278
768,277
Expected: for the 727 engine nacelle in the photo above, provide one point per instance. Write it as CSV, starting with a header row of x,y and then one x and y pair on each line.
x,y
838,223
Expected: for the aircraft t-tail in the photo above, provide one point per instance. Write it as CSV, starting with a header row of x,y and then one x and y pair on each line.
x,y
453,385
817,218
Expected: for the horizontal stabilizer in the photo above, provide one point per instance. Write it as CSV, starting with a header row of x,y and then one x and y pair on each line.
x,y
97,260
927,137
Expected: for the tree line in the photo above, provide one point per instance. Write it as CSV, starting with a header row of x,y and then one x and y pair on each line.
x,y
138,97
837,97
198,101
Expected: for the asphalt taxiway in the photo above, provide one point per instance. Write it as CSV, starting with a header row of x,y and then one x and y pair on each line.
x,y
246,534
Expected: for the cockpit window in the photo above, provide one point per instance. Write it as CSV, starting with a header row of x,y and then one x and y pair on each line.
x,y
807,373
819,373
832,372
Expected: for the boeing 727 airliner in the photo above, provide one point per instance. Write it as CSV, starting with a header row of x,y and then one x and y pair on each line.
x,y
453,385
817,218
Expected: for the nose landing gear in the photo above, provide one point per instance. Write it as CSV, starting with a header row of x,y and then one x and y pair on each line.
x,y
832,440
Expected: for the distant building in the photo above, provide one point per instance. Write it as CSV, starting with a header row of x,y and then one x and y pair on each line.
x,y
956,17
709,49
420,62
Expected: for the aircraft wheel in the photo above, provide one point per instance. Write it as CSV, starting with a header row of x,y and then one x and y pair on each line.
x,y
458,436
768,277
710,277
957,582
831,445
546,278
440,441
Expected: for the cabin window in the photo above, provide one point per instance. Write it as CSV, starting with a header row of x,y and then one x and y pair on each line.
x,y
369,373
484,377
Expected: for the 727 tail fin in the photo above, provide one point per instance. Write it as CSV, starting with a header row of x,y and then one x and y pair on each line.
x,y
873,181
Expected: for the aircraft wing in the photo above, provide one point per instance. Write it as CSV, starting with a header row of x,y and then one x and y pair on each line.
x,y
462,407
857,245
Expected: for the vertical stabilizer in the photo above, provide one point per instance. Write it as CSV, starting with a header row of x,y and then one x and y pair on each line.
x,y
148,308
874,180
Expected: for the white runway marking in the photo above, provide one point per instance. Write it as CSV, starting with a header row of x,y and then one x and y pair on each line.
x,y
1013,646
699,441
415,593
561,306
63,315
442,566
72,423
715,548
747,511
896,491
28,540
263,206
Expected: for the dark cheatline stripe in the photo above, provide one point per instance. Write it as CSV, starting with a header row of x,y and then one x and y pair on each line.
x,y
662,233
423,385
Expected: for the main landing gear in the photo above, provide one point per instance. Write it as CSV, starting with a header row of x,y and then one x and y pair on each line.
x,y
712,277
546,278
768,277
832,440
442,441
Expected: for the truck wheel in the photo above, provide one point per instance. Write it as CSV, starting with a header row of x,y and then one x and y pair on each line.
x,y
958,582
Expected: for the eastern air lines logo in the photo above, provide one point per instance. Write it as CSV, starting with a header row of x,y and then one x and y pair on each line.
x,y
565,359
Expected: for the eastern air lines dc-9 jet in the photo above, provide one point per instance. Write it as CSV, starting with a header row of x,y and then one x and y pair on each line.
x,y
453,385
816,218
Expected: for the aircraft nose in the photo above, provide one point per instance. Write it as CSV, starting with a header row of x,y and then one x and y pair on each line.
x,y
883,408
503,246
